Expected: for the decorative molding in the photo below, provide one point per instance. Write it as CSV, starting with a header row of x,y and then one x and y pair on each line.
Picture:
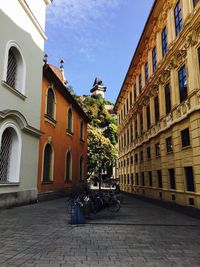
x,y
21,120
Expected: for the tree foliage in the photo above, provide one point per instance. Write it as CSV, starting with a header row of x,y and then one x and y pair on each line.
x,y
102,137
101,153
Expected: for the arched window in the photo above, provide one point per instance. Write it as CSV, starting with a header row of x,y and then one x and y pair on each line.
x,y
68,173
81,168
69,121
50,104
47,166
9,156
82,131
15,71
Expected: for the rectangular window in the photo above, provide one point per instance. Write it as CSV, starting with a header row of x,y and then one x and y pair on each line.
x,y
195,2
160,183
185,137
157,149
146,73
135,92
169,146
132,179
141,156
167,98
136,158
172,179
127,107
131,159
140,83
199,56
154,59
127,161
136,129
124,110
141,123
131,133
124,139
150,178
142,179
148,117
148,152
124,163
164,41
178,17
128,138
156,109
136,179
128,182
189,179
182,77
131,102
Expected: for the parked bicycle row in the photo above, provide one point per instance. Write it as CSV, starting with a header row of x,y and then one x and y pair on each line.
x,y
94,201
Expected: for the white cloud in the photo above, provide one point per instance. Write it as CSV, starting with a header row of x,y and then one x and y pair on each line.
x,y
84,19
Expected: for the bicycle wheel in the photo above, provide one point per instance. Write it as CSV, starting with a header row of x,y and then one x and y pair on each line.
x,y
114,205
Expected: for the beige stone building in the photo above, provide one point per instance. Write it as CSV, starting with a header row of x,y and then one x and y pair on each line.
x,y
158,107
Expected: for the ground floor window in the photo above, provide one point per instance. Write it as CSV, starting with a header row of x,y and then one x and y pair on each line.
x,y
9,155
189,179
47,167
68,173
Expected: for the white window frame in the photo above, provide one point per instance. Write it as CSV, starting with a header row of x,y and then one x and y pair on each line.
x,y
14,171
20,87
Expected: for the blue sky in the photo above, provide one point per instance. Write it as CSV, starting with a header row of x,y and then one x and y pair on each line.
x,y
95,38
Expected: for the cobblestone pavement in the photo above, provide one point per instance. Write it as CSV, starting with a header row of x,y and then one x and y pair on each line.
x,y
141,234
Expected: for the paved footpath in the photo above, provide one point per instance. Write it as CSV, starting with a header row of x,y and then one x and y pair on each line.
x,y
140,234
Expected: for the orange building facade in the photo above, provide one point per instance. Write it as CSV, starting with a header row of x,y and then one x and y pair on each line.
x,y
63,146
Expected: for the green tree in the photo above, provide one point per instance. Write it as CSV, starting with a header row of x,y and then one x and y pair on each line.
x,y
101,152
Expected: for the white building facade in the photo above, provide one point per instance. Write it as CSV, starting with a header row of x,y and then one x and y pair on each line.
x,y
21,52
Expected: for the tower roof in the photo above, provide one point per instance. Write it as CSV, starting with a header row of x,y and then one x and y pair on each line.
x,y
98,85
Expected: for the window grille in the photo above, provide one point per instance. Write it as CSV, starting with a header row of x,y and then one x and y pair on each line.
x,y
5,153
11,70
50,104
47,163
69,125
68,167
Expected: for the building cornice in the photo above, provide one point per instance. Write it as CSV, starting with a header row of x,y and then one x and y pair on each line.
x,y
33,18
135,65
